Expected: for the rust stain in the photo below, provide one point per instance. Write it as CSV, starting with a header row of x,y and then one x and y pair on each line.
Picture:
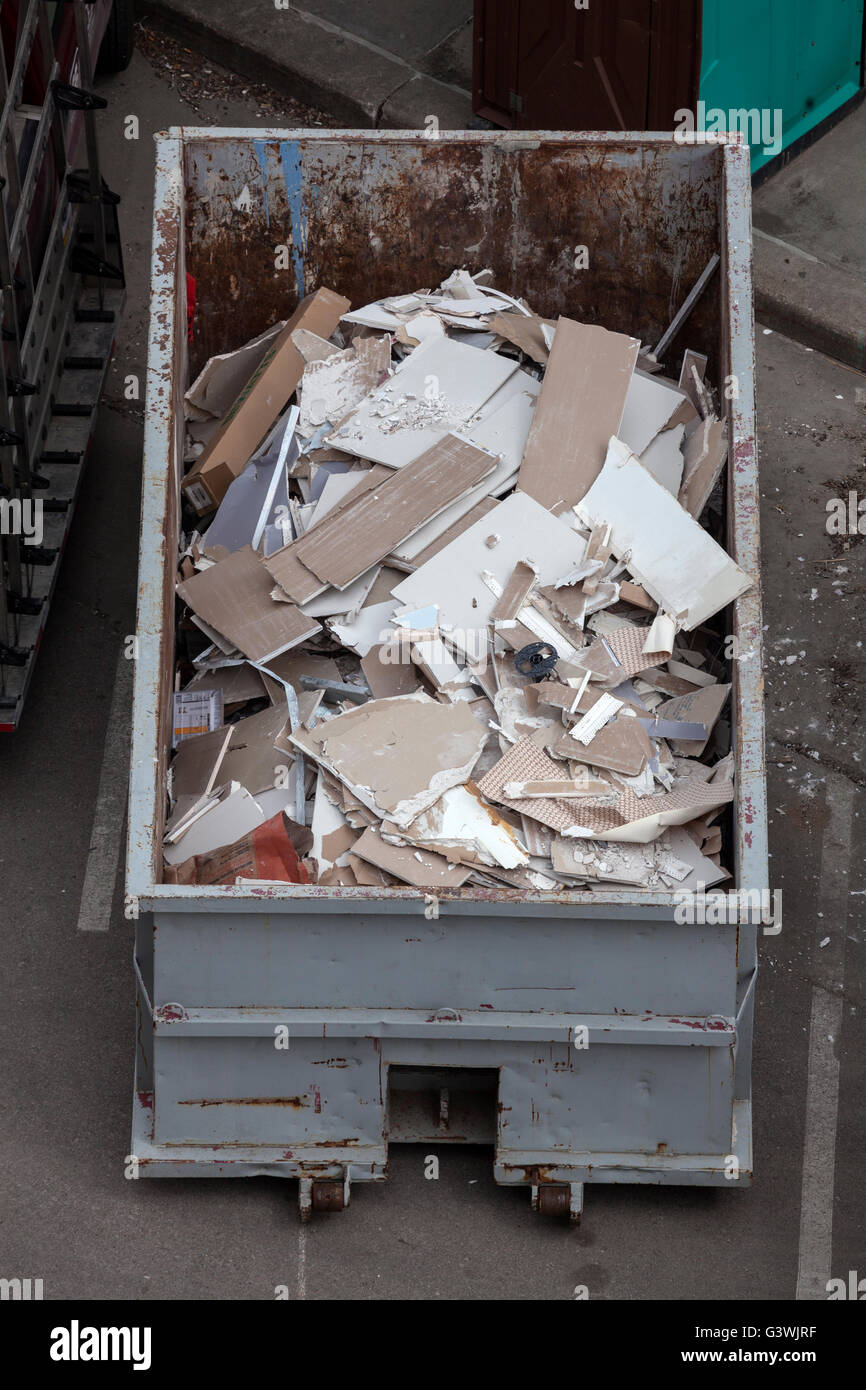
x,y
293,1102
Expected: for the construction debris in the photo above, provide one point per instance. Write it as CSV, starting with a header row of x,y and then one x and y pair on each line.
x,y
447,614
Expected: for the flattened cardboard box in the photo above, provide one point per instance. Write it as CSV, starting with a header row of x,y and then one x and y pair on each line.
x,y
257,407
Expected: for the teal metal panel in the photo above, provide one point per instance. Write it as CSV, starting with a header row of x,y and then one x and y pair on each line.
x,y
800,57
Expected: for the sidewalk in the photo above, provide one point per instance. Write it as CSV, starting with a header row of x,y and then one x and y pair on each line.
x,y
383,65
394,63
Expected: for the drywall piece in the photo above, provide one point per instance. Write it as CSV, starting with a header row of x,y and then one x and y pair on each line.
x,y
236,684
420,868
234,597
365,629
420,328
386,675
373,316
234,815
603,710
675,560
514,593
650,406
253,758
638,596
259,404
461,825
261,488
694,365
222,378
526,762
621,746
411,413
563,786
338,553
335,489
313,348
333,837
637,820
703,706
525,332
454,577
438,665
664,459
579,408
705,452
333,386
196,765
334,602
285,565
398,756
688,673
418,549
501,432
290,666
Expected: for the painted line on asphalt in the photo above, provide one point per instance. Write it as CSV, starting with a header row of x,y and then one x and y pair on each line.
x,y
106,835
822,1087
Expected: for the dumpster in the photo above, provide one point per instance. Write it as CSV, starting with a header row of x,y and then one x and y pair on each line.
x,y
296,1030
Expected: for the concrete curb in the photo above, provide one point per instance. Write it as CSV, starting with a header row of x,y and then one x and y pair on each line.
x,y
320,64
814,303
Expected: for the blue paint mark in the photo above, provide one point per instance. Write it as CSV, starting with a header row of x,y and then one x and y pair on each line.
x,y
290,159
261,150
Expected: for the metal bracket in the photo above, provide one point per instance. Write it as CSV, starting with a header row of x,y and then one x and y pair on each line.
x,y
71,98
86,262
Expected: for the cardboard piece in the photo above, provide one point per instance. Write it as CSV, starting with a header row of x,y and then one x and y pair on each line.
x,y
262,399
222,378
579,408
234,597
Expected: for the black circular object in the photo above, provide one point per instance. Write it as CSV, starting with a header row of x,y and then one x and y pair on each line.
x,y
536,660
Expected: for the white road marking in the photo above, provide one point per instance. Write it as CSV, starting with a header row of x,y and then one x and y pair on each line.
x,y
302,1261
822,1091
106,835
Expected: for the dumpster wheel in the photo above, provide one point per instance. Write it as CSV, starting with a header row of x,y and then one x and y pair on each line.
x,y
561,1199
322,1194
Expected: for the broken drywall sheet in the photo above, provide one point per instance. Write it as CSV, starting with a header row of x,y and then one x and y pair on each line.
x,y
259,404
461,825
234,597
664,459
399,755
705,452
434,392
580,406
670,555
333,386
354,538
454,577
222,378
524,331
702,707
651,405
231,816
418,867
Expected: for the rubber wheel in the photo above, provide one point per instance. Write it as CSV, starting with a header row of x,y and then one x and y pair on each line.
x,y
118,43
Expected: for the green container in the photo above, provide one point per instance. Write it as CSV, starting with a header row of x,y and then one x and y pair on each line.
x,y
791,62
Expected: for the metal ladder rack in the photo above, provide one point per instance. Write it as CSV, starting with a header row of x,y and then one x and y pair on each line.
x,y
61,294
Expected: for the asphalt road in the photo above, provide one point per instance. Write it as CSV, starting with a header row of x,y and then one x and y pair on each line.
x,y
70,1217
